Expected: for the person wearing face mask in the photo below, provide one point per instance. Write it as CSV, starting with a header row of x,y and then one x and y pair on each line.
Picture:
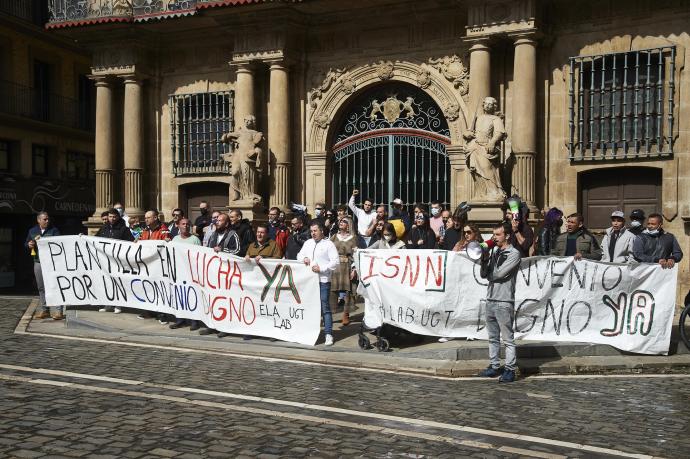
x,y
320,212
553,220
364,216
389,240
637,219
436,220
617,244
399,218
202,221
123,215
655,245
421,236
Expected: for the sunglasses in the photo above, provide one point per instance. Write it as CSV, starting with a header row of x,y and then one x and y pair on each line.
x,y
176,215
319,208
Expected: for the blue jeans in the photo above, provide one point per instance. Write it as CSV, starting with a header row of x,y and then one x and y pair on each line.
x,y
325,292
499,324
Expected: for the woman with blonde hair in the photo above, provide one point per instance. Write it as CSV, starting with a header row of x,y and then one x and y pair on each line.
x,y
345,241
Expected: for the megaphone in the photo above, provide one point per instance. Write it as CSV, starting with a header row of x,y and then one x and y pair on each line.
x,y
475,249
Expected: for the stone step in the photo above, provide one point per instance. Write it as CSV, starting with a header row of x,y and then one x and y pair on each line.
x,y
424,348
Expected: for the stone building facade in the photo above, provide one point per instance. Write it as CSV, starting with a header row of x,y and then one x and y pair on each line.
x,y
381,95
46,135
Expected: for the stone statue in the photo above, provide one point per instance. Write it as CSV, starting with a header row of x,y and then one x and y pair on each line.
x,y
245,161
484,152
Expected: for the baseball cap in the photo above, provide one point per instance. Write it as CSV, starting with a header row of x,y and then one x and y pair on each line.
x,y
618,213
637,214
397,202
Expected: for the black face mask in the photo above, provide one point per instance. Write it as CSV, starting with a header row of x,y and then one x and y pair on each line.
x,y
203,211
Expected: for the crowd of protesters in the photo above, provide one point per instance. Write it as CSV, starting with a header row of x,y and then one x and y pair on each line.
x,y
327,241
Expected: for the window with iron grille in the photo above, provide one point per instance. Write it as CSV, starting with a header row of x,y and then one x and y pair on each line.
x,y
621,105
197,124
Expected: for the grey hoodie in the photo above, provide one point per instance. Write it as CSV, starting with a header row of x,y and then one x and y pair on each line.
x,y
501,270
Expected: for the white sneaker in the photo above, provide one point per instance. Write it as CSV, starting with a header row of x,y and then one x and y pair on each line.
x,y
329,340
445,339
103,310
117,311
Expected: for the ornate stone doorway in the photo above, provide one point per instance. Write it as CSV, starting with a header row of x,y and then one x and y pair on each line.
x,y
391,143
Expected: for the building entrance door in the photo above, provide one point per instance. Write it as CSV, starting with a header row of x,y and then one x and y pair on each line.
x,y
625,188
392,144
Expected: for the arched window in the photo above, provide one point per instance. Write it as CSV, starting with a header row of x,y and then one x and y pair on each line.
x,y
392,144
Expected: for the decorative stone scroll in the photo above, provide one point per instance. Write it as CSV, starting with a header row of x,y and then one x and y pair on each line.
x,y
322,83
453,69
332,89
384,70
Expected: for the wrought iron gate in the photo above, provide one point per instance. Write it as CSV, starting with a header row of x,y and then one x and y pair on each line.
x,y
393,149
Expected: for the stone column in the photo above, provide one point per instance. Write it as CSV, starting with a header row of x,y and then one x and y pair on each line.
x,y
279,134
524,129
105,146
315,183
480,73
133,145
244,93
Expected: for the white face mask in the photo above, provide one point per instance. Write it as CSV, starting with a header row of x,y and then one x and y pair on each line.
x,y
317,212
387,238
435,211
120,211
635,224
652,232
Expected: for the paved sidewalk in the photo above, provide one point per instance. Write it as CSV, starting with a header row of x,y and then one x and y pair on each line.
x,y
455,358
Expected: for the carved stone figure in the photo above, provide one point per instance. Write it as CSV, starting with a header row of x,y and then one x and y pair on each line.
x,y
392,108
484,152
245,161
122,7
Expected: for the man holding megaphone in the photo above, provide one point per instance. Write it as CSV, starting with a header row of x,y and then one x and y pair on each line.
x,y
500,265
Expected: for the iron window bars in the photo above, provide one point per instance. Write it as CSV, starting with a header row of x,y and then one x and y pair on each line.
x,y
621,105
197,123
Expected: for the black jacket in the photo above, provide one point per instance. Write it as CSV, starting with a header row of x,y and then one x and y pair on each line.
x,y
295,242
547,240
527,233
116,231
245,234
451,238
650,248
426,235
229,241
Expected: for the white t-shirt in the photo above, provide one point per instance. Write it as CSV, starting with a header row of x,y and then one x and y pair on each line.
x,y
322,253
364,219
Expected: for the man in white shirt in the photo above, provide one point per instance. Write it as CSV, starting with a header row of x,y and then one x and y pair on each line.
x,y
322,256
364,216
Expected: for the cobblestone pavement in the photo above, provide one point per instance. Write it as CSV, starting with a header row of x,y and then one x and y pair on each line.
x,y
70,398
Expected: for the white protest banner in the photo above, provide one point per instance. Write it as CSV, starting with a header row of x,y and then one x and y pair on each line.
x,y
276,298
440,293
